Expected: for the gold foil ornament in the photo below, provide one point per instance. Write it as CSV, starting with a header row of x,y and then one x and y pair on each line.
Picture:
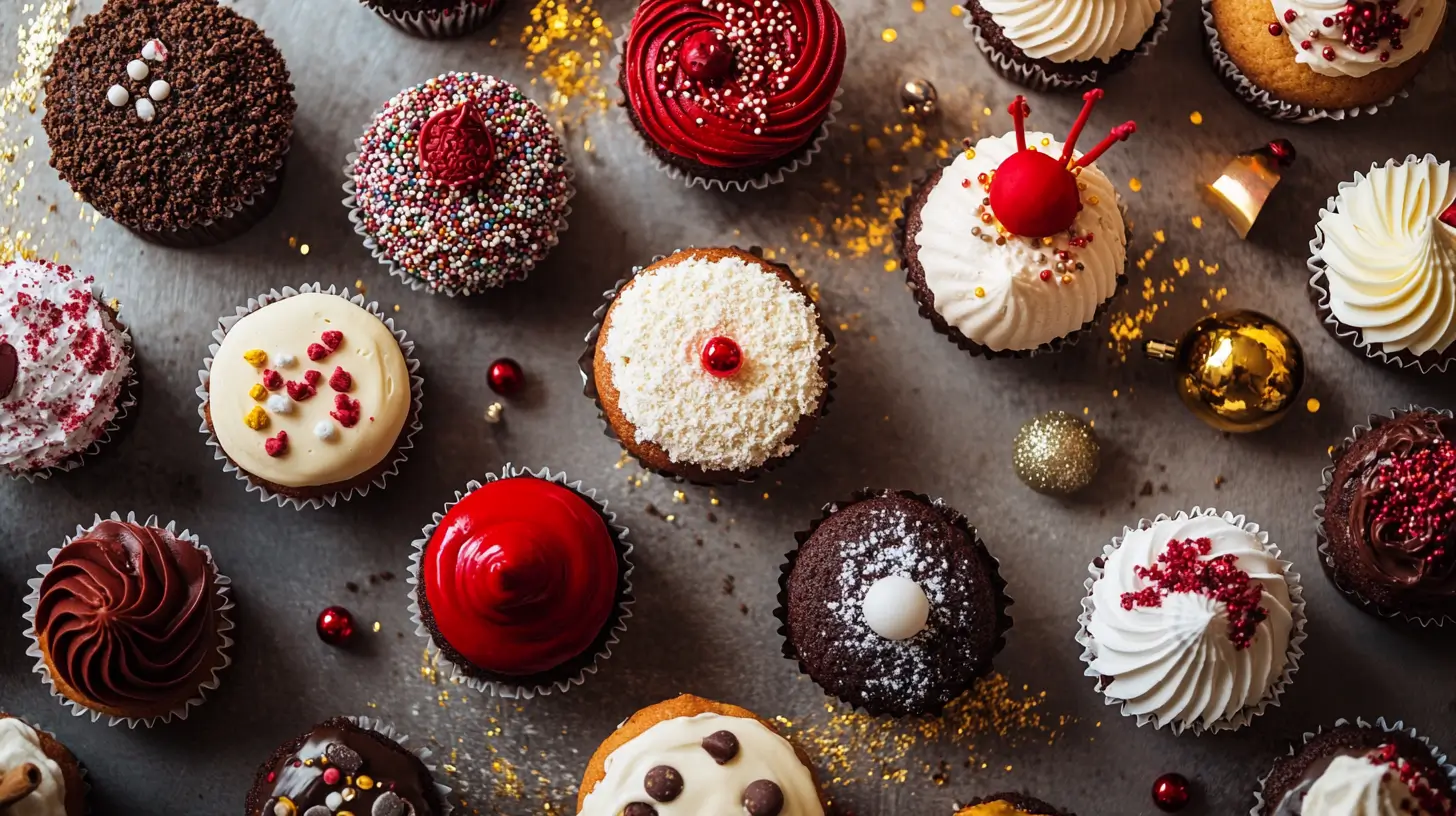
x,y
1239,372
918,98
1056,453
1248,180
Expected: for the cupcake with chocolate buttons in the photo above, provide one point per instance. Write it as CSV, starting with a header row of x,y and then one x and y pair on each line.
x,y
172,118
1010,804
710,365
351,764
310,396
892,604
434,19
38,775
459,185
1066,45
1387,516
689,756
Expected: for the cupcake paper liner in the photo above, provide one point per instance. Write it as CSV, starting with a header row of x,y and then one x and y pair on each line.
x,y
1030,75
224,625
1261,100
1396,727
126,400
775,176
500,688
1327,558
1296,638
781,612
587,364
468,17
402,447
1319,294
243,217
424,755
926,300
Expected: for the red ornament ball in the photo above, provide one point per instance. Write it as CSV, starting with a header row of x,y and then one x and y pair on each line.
x,y
706,56
1171,792
1034,195
506,377
335,626
722,357
1449,216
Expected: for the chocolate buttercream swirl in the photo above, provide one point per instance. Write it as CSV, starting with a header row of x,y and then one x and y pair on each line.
x,y
1403,503
127,616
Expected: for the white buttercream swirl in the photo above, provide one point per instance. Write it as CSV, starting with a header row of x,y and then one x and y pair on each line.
x,y
1360,786
19,744
1176,661
1074,30
1016,308
1425,18
1390,260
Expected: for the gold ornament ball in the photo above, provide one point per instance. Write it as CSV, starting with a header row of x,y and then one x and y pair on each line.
x,y
918,98
1239,371
1056,453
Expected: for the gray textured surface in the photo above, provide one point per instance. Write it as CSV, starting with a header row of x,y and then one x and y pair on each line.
x,y
911,411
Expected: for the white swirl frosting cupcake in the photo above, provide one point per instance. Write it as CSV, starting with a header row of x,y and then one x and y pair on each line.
x,y
1384,262
1193,622
1064,44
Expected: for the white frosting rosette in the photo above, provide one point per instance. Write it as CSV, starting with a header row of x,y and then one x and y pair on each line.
x,y
20,744
1192,660
1084,34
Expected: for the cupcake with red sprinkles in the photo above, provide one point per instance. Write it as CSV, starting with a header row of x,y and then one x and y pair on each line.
x,y
459,185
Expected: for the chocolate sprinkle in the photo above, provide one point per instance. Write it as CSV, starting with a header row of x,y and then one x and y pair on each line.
x,y
9,368
639,809
663,783
763,798
216,142
722,746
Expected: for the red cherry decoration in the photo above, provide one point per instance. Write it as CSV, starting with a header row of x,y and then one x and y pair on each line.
x,y
1449,216
506,377
335,626
1171,792
706,56
722,357
456,147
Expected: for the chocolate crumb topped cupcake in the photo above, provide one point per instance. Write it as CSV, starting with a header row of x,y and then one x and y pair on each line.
x,y
892,603
172,118
1358,768
1010,804
435,19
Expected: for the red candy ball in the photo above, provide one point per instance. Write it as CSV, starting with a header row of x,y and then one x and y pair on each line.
x,y
1449,216
506,376
1171,792
1034,195
335,625
706,56
722,357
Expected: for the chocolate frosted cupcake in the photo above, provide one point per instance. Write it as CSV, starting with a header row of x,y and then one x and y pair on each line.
x,y
1010,804
66,370
172,118
1383,260
732,94
1012,252
347,764
689,756
1387,516
1358,768
435,18
130,620
892,603
522,584
459,185
710,365
1065,45
38,775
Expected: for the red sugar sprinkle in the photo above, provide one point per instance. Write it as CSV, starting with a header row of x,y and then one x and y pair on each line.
x,y
300,391
1275,29
1046,274
272,380
340,379
317,352
1430,800
332,339
312,377
1366,24
276,446
1290,16
1413,501
1180,568
346,410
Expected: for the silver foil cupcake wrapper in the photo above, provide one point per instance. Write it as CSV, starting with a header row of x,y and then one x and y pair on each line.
x,y
620,538
1388,726
1260,99
772,177
1245,715
424,755
467,17
587,364
1322,543
222,585
1319,292
402,448
1030,75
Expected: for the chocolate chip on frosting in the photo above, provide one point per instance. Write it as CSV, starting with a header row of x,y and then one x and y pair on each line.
x,y
722,746
663,783
763,798
639,809
343,757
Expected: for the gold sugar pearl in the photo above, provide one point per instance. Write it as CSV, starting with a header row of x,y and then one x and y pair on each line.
x,y
980,292
1066,279
364,782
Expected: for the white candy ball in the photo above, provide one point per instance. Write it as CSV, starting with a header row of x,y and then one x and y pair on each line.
x,y
280,404
896,608
324,430
160,90
149,51
334,800
118,96
138,70
146,111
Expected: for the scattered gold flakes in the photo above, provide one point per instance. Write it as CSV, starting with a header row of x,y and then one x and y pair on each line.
x,y
292,242
917,6
622,461
566,42
679,497
956,10
377,627
891,265
765,496
396,307
359,286
889,35
1160,236
1312,405
303,249
1196,221
586,144
1196,118
494,412
1135,184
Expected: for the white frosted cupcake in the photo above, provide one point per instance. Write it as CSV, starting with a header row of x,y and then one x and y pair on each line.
x,y
1384,263
1064,45
1192,622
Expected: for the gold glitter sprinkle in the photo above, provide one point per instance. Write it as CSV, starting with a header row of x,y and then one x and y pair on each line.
x,y
493,412
586,144
292,242
256,418
765,496
1196,118
566,42
1312,405
1135,184
1093,200
980,291
377,626
359,286
891,265
889,35
1066,279
1160,236
303,249
679,497
1196,221
956,11
917,6
1046,141
396,307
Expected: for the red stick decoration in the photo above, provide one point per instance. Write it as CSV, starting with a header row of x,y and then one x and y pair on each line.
x,y
1019,110
1089,101
1118,134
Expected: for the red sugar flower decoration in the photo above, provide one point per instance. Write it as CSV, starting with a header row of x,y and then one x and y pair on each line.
x,y
300,391
1181,568
276,445
340,379
456,147
346,410
272,380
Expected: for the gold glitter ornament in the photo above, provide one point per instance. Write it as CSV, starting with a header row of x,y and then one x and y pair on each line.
x,y
919,99
1239,371
1056,453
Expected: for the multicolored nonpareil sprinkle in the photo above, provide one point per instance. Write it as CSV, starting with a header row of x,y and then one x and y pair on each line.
x,y
462,239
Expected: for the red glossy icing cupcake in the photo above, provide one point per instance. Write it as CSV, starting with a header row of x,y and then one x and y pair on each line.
x,y
522,584
733,92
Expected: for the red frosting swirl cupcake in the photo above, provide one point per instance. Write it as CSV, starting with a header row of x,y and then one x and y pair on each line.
x,y
522,583
732,90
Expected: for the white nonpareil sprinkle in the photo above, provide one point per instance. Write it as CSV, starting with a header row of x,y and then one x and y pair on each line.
x,y
146,111
280,404
324,430
118,96
138,70
159,90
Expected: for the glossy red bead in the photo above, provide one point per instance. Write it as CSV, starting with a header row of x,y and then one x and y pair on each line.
x,y
1449,216
335,626
1171,792
722,357
706,56
506,377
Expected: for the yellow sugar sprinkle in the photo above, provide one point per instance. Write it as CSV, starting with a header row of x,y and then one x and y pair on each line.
x,y
1160,236
956,11
980,292
1135,184
917,6
1196,118
891,266
1197,222
256,418
1046,141
889,35
257,358
258,392
1093,200
1312,405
